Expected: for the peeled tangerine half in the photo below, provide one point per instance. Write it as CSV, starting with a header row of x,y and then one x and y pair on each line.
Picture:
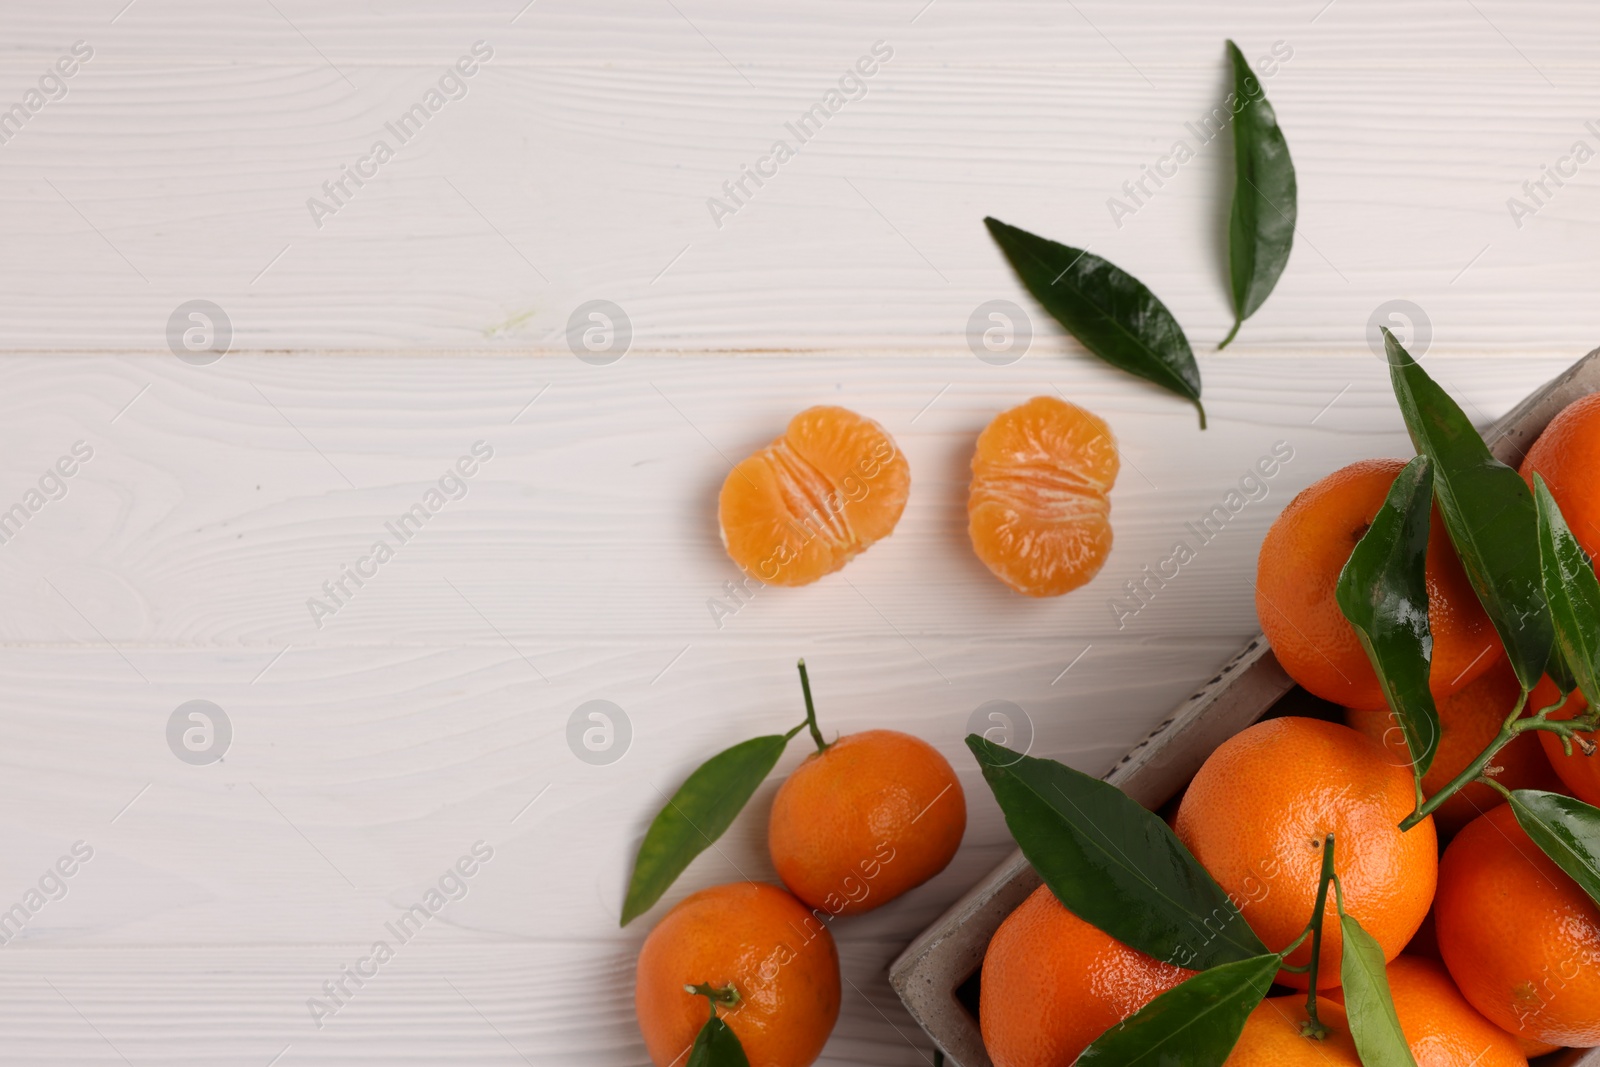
x,y
814,499
1039,513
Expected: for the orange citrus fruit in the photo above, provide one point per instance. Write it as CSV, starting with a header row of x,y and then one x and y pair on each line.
x,y
1257,812
1567,454
1038,512
779,960
814,499
869,817
1521,939
1272,1037
1052,984
1468,721
1298,571
1441,1028
1578,772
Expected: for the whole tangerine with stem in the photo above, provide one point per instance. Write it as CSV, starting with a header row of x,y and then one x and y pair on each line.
x,y
1567,454
1052,984
771,968
1273,1036
1441,1028
1256,816
1520,937
1468,721
802,507
1297,575
864,819
1039,509
1579,770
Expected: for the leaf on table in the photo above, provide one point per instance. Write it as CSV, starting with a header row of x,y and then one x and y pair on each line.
x,y
717,1046
1113,864
1195,1024
696,815
1383,592
1573,594
1261,225
1367,1004
1566,830
1107,309
1487,510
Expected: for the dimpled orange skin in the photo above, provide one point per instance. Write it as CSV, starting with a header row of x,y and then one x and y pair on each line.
x,y
1468,721
814,499
1052,984
1038,511
1272,1038
1579,773
1520,938
1298,571
874,815
1567,456
780,959
1440,1027
1255,816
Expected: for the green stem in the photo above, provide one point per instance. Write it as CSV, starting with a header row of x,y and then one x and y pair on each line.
x,y
1508,730
1314,1028
727,996
1231,334
811,709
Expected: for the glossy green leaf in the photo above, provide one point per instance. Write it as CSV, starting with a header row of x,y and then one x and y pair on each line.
x,y
1265,197
696,815
1112,863
1566,830
1487,510
1572,592
1195,1024
1383,592
1367,1003
1107,309
717,1046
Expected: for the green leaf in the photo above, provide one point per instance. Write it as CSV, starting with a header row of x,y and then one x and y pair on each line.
x,y
696,815
1487,510
1113,864
1107,309
1261,227
1195,1024
717,1046
1367,1003
1566,830
1383,592
1573,594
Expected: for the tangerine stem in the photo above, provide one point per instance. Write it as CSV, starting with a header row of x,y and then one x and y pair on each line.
x,y
811,709
1512,726
1314,1028
728,996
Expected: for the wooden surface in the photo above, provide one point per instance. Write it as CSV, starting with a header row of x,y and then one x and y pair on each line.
x,y
428,313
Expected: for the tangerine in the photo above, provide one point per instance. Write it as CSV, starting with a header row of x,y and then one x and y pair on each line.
x,y
814,499
1520,938
1257,812
1567,454
865,819
1580,773
1272,1037
757,941
1052,984
1468,721
1298,572
1038,511
1440,1027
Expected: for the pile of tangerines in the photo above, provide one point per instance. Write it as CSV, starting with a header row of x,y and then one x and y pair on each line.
x,y
1492,949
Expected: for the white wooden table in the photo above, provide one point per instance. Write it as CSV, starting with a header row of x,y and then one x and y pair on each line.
x,y
429,310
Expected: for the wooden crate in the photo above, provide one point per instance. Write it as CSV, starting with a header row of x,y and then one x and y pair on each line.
x,y
930,974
